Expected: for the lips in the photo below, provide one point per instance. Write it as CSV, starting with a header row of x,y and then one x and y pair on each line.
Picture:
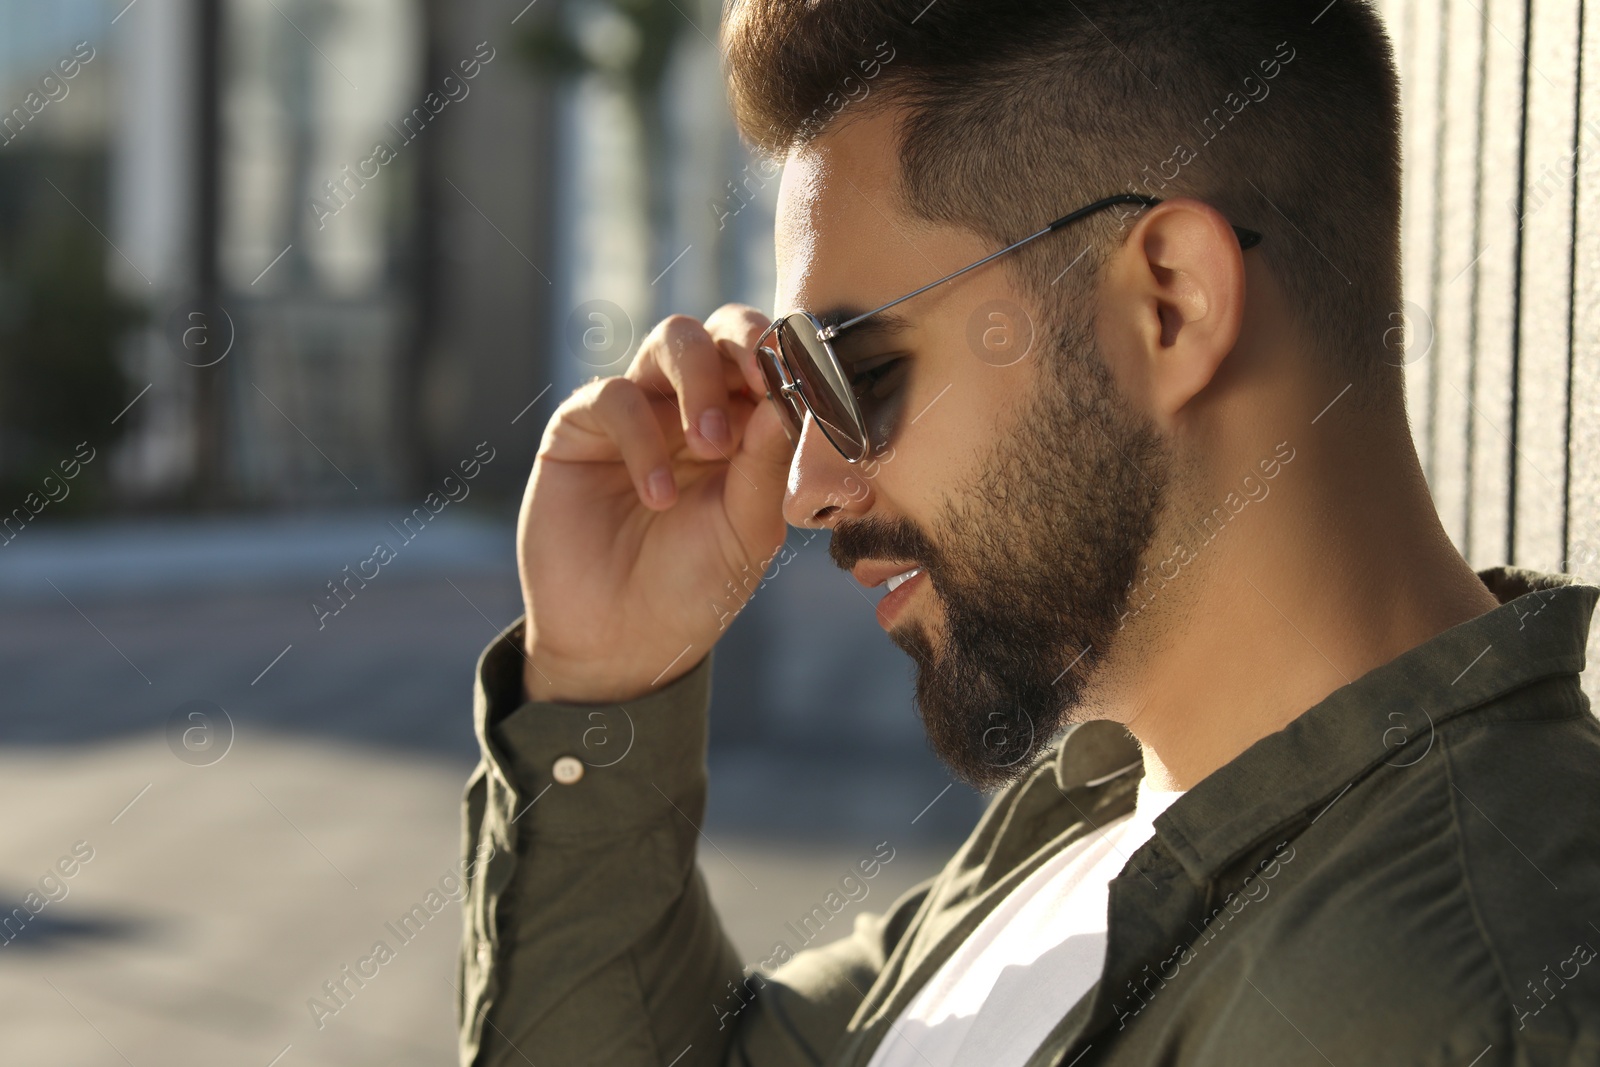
x,y
875,574
905,576
902,589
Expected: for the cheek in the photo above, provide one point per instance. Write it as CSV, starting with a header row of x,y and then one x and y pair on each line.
x,y
932,464
952,426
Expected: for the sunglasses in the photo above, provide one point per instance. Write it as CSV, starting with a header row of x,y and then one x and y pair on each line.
x,y
803,371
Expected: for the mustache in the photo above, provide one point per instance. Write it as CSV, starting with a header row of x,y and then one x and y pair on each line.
x,y
877,538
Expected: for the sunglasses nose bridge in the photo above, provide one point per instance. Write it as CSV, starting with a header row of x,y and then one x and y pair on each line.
x,y
783,391
770,347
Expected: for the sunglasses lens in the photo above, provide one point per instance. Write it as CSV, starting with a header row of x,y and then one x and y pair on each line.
x,y
791,419
824,390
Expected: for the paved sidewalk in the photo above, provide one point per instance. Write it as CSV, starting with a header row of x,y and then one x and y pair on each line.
x,y
221,896
217,904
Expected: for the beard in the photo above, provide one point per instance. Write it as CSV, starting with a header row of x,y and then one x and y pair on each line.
x,y
1032,561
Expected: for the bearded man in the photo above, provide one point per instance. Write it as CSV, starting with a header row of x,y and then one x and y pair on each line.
x,y
1083,351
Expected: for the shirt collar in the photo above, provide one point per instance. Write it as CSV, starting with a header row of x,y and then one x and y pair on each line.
x,y
1387,715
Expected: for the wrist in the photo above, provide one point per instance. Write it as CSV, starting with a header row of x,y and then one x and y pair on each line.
x,y
543,680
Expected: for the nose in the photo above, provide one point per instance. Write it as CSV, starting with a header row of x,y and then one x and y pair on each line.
x,y
823,487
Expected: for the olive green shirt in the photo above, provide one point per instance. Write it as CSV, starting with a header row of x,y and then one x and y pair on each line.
x,y
1407,873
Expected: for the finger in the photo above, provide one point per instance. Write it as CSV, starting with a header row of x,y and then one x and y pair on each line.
x,y
753,497
621,410
736,328
680,361
573,436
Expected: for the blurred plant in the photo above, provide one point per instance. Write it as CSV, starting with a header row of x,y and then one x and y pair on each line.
x,y
631,40
59,324
631,43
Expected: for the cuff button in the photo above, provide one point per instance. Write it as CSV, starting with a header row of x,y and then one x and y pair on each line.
x,y
567,770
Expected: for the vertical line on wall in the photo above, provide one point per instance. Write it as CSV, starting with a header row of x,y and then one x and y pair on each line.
x,y
1436,267
1572,294
1516,300
1467,547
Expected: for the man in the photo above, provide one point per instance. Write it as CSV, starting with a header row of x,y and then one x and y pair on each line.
x,y
1280,779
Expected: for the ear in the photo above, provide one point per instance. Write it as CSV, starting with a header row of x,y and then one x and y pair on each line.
x,y
1172,305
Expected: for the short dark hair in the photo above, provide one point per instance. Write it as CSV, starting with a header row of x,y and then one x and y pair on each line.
x,y
1282,114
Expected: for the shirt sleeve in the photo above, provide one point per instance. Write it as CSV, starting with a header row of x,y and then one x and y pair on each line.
x,y
589,936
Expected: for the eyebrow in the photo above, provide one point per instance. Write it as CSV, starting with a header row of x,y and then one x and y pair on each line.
x,y
881,323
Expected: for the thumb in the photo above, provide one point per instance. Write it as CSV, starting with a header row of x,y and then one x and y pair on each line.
x,y
754,488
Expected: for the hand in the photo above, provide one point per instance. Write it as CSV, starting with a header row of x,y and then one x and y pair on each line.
x,y
651,492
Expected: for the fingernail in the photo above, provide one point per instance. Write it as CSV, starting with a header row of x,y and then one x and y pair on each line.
x,y
714,426
659,484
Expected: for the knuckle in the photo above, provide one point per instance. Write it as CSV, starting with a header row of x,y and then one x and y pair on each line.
x,y
680,332
732,312
740,323
616,393
582,397
753,318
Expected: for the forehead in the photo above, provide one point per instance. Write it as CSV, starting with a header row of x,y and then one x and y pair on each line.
x,y
840,237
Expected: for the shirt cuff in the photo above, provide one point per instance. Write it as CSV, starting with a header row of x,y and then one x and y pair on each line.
x,y
582,771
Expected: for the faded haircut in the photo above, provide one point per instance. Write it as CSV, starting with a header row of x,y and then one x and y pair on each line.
x,y
1281,114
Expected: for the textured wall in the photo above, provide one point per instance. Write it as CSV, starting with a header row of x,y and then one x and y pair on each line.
x,y
1502,273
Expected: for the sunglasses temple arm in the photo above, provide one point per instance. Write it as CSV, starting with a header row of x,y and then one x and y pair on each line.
x,y
1247,239
830,332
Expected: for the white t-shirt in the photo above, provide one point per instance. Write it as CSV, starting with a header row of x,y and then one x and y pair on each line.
x,y
1000,994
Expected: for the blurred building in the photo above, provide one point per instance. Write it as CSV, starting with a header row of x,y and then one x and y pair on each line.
x,y
393,235
284,254
362,236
